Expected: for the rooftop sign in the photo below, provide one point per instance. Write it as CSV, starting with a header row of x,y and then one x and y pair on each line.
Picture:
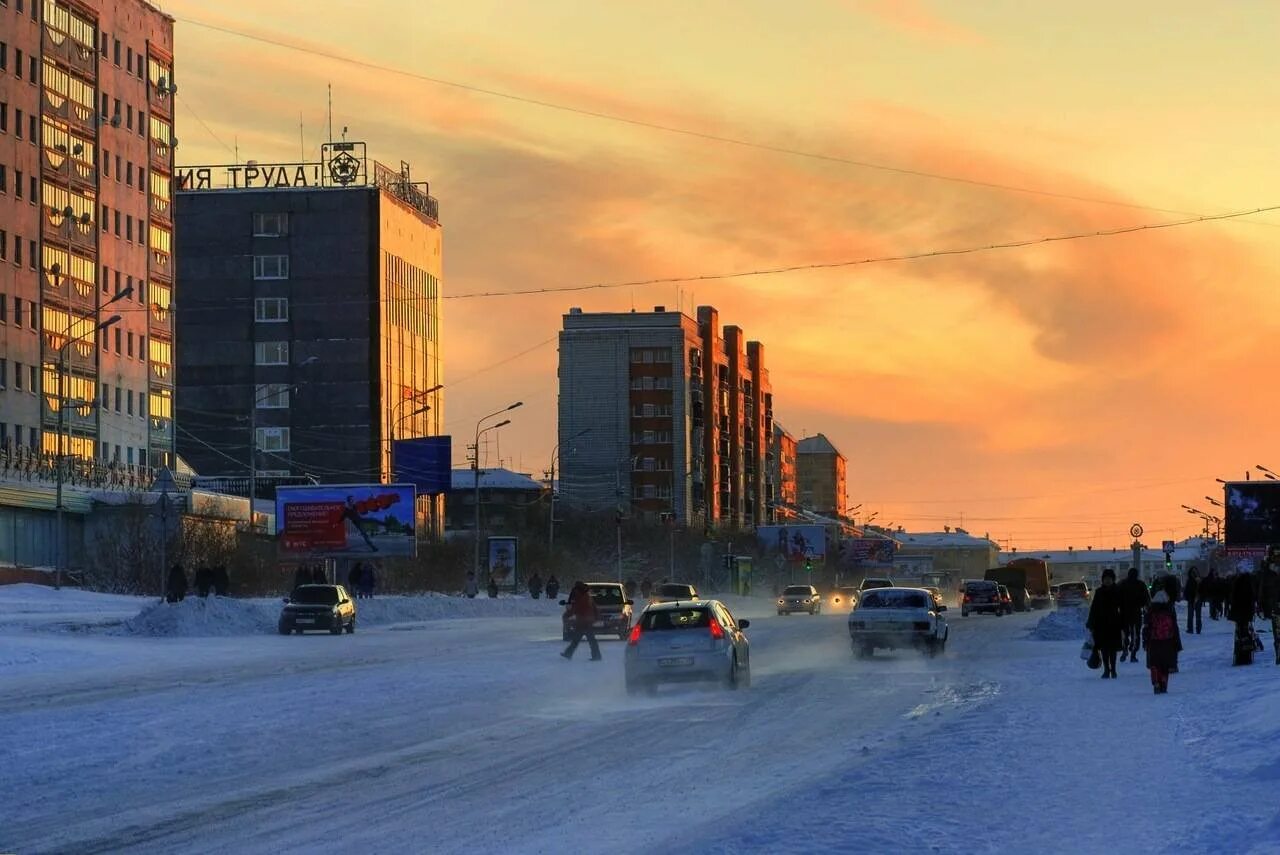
x,y
343,164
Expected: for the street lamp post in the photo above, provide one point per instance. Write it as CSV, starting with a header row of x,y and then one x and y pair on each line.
x,y
551,523
60,548
396,421
475,472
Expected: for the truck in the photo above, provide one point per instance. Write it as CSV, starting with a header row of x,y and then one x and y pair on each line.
x,y
1024,574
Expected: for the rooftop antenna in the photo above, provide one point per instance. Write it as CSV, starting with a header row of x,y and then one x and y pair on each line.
x,y
302,139
344,133
330,113
237,144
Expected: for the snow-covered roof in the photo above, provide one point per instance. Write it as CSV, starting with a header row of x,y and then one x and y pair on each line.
x,y
942,539
493,479
818,444
1189,551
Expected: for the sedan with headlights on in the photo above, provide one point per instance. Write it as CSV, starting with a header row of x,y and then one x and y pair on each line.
x,y
799,598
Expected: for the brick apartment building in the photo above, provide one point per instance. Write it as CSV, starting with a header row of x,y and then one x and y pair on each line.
x,y
86,230
668,415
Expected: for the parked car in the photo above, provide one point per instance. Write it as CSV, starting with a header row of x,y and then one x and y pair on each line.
x,y
1006,600
1073,594
316,607
844,598
613,610
872,582
799,598
687,641
889,618
936,593
978,596
671,592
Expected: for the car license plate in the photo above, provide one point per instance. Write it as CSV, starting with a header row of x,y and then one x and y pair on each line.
x,y
676,661
304,620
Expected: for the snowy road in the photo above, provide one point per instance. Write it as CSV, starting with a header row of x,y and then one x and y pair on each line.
x,y
473,736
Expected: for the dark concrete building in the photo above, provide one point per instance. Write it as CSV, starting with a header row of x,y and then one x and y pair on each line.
x,y
310,320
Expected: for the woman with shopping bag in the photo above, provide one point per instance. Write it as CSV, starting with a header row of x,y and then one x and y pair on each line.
x,y
1106,623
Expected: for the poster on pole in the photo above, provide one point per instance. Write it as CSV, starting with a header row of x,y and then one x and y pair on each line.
x,y
346,520
504,560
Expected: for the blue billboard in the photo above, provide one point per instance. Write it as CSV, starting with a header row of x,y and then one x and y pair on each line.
x,y
424,462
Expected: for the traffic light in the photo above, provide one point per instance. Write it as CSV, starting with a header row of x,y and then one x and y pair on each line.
x,y
808,565
1168,562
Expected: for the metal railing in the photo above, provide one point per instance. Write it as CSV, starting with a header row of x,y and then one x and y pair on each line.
x,y
24,464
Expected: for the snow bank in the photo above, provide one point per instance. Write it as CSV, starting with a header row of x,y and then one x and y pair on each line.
x,y
38,607
1061,625
197,617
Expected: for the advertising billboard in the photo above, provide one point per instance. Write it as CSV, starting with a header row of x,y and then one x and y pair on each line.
x,y
346,520
1252,515
504,560
793,542
425,462
876,550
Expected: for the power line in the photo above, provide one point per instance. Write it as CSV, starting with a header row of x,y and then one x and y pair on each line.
x,y
205,125
915,256
674,129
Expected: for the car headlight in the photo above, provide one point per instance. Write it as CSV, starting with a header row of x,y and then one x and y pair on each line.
x,y
782,602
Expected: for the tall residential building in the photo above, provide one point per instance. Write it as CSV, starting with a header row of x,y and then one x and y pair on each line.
x,y
783,497
820,480
311,318
86,229
667,414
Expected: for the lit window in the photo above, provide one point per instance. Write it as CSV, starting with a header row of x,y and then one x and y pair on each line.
x,y
272,439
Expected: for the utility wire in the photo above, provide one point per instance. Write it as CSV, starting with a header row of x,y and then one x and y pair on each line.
x,y
673,129
205,125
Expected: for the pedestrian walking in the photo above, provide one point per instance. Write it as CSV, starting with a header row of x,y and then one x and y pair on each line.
x,y
302,576
318,576
493,588
553,587
1161,640
1269,597
535,585
582,614
1213,589
1106,623
1195,603
368,580
176,587
1243,605
470,588
1134,599
203,581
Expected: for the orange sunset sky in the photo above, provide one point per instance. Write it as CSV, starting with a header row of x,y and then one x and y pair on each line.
x,y
1050,395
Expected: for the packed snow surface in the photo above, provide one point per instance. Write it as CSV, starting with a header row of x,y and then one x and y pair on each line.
x,y
1066,624
473,736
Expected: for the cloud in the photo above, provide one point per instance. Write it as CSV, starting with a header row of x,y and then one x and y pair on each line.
x,y
914,18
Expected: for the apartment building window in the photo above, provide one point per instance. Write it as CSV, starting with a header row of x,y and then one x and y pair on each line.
x,y
17,54
271,267
32,133
17,311
17,376
4,118
35,193
17,121
4,178
116,53
272,439
129,349
4,308
106,158
17,183
128,171
129,399
31,254
4,57
117,221
272,396
270,225
33,381
4,245
17,250
106,396
4,373
271,353
118,397
271,310
128,228
119,338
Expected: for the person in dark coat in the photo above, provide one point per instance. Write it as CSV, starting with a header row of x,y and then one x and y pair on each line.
x,y
1195,603
221,581
318,576
1211,590
582,614
1134,598
493,588
354,575
1161,640
470,588
553,587
1241,609
176,587
368,579
203,581
1269,597
1106,622
302,576
535,585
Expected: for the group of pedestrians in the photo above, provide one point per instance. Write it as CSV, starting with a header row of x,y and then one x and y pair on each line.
x,y
207,580
361,580
1124,616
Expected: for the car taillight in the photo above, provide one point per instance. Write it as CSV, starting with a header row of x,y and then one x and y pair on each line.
x,y
966,598
717,631
634,638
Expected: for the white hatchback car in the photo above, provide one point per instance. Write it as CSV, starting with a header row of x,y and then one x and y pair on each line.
x,y
683,642
898,617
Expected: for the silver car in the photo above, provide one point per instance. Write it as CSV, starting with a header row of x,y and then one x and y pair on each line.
x,y
799,598
687,642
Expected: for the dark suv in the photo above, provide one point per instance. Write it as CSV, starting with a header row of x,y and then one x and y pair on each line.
x,y
980,595
318,607
613,610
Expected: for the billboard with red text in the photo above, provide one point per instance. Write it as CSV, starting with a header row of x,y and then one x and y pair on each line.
x,y
346,520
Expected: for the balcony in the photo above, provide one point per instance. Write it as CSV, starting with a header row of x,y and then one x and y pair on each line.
x,y
161,265
62,169
161,429
162,209
160,100
162,374
161,156
159,322
82,59
79,117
